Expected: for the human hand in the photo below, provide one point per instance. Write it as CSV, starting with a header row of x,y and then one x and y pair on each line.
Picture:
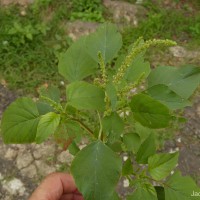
x,y
57,186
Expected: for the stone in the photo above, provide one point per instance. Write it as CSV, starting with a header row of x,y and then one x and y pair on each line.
x,y
43,168
124,13
79,28
1,177
20,2
30,171
126,183
178,51
81,146
2,149
198,111
14,187
10,154
125,158
181,52
43,150
24,158
65,157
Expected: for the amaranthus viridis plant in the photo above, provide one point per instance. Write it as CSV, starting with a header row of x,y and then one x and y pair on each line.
x,y
122,107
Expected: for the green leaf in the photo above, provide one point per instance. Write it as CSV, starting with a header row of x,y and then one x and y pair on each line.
x,y
150,112
144,191
47,125
83,95
160,192
112,95
51,92
43,108
76,64
160,165
162,75
74,129
166,96
143,131
115,146
132,141
137,69
180,187
101,167
127,168
106,40
20,121
147,148
73,148
113,126
68,131
183,81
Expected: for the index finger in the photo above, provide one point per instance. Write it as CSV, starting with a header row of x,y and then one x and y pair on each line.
x,y
54,186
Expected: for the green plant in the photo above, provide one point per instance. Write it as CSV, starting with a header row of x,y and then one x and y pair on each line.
x,y
165,23
120,111
38,4
87,10
195,28
19,33
29,47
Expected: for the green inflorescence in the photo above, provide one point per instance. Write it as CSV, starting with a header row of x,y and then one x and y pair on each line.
x,y
53,104
137,49
126,91
103,69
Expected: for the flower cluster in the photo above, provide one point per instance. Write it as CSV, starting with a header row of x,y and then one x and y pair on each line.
x,y
136,50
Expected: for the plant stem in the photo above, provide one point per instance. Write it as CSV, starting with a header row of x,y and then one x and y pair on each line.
x,y
83,126
100,130
67,143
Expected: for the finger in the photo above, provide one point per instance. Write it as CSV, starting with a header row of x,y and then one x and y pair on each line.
x,y
54,186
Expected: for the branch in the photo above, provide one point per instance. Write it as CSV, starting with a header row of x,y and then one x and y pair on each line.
x,y
83,126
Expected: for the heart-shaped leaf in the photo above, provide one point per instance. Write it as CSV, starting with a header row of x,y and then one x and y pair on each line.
x,y
105,40
183,81
168,97
76,64
96,170
160,165
20,121
47,126
181,187
150,112
83,95
113,126
147,148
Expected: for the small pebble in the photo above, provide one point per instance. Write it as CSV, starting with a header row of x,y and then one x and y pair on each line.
x,y
125,158
62,83
178,140
126,183
177,149
23,13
